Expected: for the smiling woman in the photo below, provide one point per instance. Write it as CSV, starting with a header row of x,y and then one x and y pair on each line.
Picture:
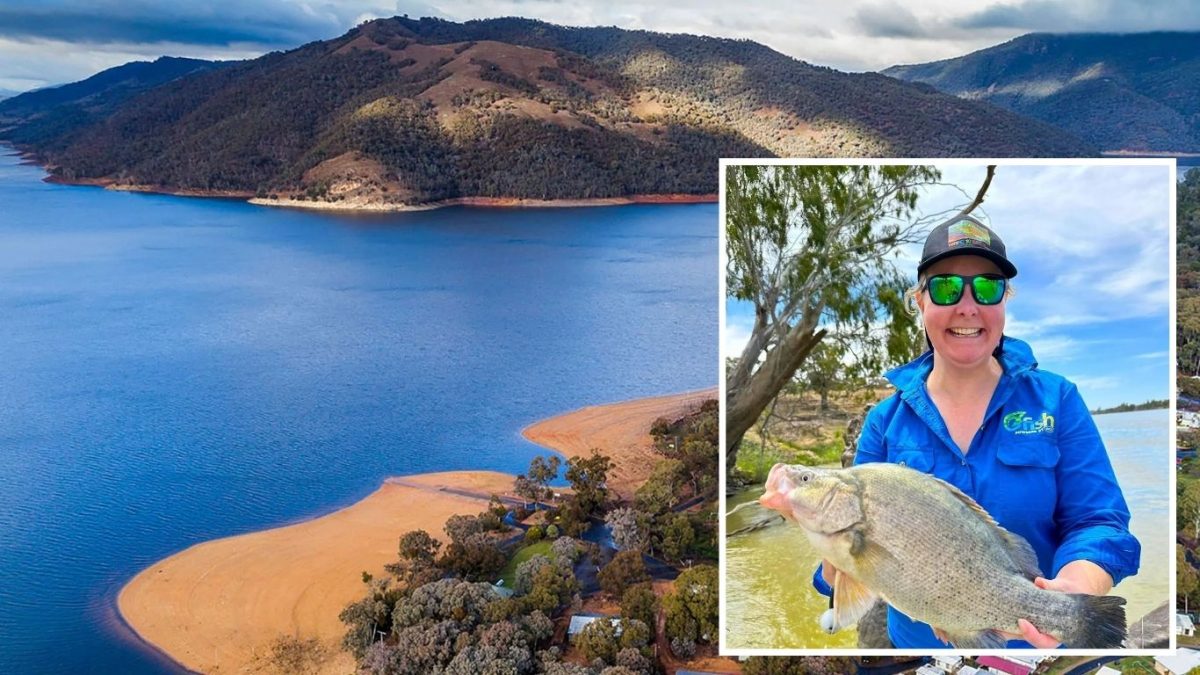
x,y
977,410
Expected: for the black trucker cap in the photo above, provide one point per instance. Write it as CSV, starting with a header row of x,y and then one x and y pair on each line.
x,y
964,235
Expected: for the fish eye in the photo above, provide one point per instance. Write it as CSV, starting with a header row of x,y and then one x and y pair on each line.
x,y
805,477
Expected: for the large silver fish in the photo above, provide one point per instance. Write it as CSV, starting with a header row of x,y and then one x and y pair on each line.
x,y
934,554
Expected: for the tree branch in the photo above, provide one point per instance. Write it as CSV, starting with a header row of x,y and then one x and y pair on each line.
x,y
991,171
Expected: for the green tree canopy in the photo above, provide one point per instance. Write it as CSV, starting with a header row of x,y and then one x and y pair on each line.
x,y
691,610
812,248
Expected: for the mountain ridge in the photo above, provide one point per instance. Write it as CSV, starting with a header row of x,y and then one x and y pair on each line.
x,y
1133,92
409,111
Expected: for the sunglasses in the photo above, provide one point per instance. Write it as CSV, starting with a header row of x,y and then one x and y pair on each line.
x,y
947,289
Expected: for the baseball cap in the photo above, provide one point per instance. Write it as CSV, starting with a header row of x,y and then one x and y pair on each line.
x,y
964,235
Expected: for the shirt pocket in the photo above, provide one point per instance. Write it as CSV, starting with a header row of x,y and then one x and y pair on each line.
x,y
1025,475
1033,453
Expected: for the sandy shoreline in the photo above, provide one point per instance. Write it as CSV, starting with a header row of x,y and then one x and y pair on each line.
x,y
486,202
218,606
621,430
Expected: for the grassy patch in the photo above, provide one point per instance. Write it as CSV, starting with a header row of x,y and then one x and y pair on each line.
x,y
1065,663
1185,641
1135,665
509,573
755,460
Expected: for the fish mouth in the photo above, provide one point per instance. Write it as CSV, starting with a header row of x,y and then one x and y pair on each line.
x,y
779,484
781,481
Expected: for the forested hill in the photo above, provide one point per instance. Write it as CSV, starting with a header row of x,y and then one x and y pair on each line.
x,y
53,116
1187,222
1137,92
404,110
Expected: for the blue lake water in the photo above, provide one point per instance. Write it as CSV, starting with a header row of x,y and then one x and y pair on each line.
x,y
174,370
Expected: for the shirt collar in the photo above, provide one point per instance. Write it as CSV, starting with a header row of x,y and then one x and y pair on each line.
x,y
1016,357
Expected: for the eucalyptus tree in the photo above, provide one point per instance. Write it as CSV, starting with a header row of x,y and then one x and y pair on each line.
x,y
813,249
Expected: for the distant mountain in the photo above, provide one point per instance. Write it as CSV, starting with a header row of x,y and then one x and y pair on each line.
x,y
50,117
1137,92
402,110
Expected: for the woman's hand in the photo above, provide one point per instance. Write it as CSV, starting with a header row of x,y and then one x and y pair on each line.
x,y
1077,576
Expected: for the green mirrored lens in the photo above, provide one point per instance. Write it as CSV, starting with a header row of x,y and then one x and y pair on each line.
x,y
988,290
945,289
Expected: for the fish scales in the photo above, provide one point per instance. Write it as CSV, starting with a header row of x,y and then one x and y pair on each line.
x,y
975,592
933,554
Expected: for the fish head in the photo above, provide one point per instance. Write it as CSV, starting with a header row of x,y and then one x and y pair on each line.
x,y
820,500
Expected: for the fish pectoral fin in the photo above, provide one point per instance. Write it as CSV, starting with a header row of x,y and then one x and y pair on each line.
x,y
851,600
987,639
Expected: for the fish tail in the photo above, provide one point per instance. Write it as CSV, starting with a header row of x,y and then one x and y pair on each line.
x,y
1100,623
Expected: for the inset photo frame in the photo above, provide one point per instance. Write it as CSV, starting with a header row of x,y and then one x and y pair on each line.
x,y
949,416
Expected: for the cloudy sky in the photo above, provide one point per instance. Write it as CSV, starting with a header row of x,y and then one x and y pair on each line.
x,y
1093,286
46,42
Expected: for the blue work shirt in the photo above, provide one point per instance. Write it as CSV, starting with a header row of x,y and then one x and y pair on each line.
x,y
1037,465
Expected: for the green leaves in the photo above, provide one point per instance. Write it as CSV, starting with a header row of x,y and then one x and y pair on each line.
x,y
812,248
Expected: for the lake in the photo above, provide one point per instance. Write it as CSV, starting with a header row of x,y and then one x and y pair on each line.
x,y
769,597
179,369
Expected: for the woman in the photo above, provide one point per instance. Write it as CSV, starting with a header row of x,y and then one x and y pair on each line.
x,y
977,412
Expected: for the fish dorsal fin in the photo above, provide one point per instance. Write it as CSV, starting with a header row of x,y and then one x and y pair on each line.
x,y
851,600
1019,550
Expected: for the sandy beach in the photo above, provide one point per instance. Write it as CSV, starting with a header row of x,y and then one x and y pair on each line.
x,y
620,430
482,202
218,606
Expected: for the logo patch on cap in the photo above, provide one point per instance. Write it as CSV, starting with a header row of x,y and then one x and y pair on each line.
x,y
966,233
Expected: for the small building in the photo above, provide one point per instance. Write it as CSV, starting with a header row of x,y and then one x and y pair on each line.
x,y
1107,670
1181,662
950,663
969,670
580,621
1004,665
1184,625
930,669
1032,661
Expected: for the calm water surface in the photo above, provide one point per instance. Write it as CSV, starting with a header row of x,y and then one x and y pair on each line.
x,y
769,597
174,370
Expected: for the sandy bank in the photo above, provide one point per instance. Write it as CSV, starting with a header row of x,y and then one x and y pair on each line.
x,y
354,205
217,607
619,430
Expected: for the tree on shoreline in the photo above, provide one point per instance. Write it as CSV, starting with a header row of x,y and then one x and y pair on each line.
x,y
811,248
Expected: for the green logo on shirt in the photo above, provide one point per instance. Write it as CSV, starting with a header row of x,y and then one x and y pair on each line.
x,y
1021,423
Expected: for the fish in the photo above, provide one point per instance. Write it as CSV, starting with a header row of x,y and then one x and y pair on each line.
x,y
930,551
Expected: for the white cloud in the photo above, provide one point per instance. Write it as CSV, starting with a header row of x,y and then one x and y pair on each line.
x,y
33,64
734,337
849,35
1086,383
1056,348
1091,242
